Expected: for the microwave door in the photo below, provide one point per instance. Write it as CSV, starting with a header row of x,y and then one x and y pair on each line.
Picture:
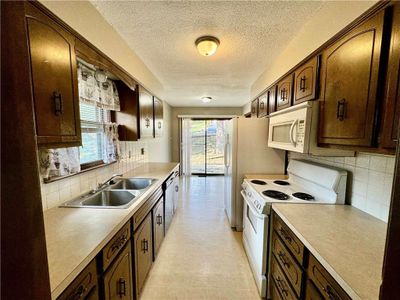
x,y
284,135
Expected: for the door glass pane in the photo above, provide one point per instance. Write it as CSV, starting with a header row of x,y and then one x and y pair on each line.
x,y
215,146
197,158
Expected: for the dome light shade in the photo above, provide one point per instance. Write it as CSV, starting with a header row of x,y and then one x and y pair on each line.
x,y
207,45
206,99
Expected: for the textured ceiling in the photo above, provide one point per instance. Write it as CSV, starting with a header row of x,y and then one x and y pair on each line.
x,y
162,34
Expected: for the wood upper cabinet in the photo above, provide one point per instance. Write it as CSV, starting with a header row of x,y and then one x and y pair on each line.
x,y
128,116
158,226
263,105
54,81
158,117
284,92
146,113
118,278
143,253
254,108
389,128
306,81
272,99
350,70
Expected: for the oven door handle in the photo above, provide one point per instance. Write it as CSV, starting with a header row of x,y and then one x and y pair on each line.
x,y
291,131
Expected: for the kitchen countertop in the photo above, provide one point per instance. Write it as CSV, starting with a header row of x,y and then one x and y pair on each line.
x,y
346,241
74,236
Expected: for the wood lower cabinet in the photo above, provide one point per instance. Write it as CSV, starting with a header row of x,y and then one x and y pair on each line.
x,y
128,116
263,105
158,226
350,85
284,92
54,81
254,108
143,243
306,81
85,285
118,278
158,117
146,113
312,292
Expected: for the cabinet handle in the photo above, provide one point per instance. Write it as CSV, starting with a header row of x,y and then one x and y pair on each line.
x,y
145,245
285,235
262,105
159,219
303,83
281,287
283,259
121,287
147,120
58,103
340,110
159,125
330,293
176,188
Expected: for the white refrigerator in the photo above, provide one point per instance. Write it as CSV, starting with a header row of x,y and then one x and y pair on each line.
x,y
246,152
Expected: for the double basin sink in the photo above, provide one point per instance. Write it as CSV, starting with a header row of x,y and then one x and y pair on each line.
x,y
119,193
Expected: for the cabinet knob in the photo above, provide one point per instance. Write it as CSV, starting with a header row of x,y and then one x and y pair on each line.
x,y
58,103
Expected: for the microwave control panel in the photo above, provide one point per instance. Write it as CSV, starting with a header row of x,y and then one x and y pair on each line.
x,y
300,132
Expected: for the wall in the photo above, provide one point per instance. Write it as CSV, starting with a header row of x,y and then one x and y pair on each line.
x,y
159,149
370,179
329,20
204,111
57,192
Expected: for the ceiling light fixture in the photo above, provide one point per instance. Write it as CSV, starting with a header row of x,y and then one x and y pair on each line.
x,y
206,99
207,45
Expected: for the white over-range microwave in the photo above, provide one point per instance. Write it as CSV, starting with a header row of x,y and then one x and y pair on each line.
x,y
295,129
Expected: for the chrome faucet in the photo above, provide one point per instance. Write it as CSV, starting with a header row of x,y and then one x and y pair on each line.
x,y
101,185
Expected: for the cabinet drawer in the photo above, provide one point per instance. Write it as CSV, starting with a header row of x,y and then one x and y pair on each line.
x,y
114,246
82,286
324,282
312,292
287,263
146,208
290,240
281,282
306,81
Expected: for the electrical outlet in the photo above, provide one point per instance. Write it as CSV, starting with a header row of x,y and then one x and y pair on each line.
x,y
142,151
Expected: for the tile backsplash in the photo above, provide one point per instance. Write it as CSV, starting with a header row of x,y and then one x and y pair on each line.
x,y
370,179
133,154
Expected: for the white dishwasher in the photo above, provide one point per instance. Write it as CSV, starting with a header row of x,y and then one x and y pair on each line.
x,y
171,190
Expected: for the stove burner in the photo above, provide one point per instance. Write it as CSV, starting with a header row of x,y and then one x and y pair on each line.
x,y
281,182
260,182
303,196
276,195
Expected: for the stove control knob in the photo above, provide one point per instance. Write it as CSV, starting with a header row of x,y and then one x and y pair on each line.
x,y
259,206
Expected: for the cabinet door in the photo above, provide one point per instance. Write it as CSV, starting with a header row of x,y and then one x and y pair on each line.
x,y
392,96
306,81
254,108
158,117
158,226
272,99
143,253
263,105
54,81
350,83
146,113
118,279
284,94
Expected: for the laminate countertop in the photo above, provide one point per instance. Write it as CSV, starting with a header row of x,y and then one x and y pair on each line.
x,y
346,241
74,236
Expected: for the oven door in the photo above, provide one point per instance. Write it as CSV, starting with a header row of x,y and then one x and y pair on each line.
x,y
288,130
255,238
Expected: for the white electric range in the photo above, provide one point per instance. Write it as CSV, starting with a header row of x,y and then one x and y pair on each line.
x,y
307,182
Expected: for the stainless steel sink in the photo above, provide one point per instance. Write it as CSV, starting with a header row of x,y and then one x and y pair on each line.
x,y
105,199
132,183
120,194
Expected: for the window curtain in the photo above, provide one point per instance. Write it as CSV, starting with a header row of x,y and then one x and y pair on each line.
x,y
104,95
186,144
59,162
111,143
